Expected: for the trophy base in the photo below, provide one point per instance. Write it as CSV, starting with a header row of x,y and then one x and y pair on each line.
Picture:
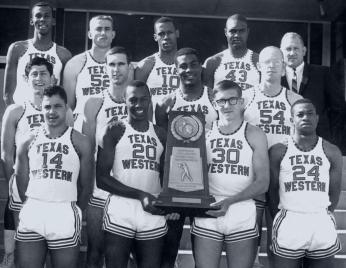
x,y
188,206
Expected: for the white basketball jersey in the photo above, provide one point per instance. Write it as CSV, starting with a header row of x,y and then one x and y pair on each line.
x,y
21,93
30,120
304,179
240,70
137,159
229,158
91,81
54,168
162,80
271,113
203,105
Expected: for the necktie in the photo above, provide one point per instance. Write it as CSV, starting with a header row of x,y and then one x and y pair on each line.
x,y
294,81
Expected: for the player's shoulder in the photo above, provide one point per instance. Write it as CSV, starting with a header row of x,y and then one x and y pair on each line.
x,y
292,97
255,134
77,61
94,103
331,150
214,60
14,112
161,133
80,141
278,150
147,63
18,48
63,53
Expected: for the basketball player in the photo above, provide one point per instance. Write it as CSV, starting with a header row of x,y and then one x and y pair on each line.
x,y
158,70
98,112
237,63
18,121
85,74
132,151
238,149
268,106
305,183
191,96
21,52
49,166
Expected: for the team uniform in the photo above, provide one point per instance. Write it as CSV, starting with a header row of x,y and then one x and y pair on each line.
x,y
50,212
29,121
163,78
242,70
304,200
271,113
109,110
91,81
137,165
202,104
229,158
20,94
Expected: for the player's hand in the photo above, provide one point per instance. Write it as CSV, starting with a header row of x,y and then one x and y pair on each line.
x,y
148,202
223,207
172,216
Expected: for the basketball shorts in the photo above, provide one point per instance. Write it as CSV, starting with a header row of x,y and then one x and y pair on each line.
x,y
312,235
239,223
126,217
98,198
59,223
260,201
15,203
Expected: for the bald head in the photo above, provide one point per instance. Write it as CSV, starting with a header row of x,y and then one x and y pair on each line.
x,y
271,65
270,52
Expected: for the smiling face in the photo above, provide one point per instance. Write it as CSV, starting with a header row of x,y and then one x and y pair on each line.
x,y
101,32
54,109
137,102
189,69
42,19
39,78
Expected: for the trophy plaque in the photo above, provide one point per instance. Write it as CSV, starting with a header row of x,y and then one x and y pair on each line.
x,y
185,179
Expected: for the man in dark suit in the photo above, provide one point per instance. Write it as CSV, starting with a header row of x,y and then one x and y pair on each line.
x,y
315,83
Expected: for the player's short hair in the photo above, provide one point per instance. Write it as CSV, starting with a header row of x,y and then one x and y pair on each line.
x,y
302,101
225,85
101,17
41,4
238,17
138,84
38,61
186,51
292,35
119,50
55,90
165,20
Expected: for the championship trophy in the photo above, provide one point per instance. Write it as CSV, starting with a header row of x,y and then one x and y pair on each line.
x,y
185,180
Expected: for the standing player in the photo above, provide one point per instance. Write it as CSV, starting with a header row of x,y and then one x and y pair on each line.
x,y
158,70
237,63
305,183
238,169
268,106
18,121
98,112
191,96
21,52
49,166
85,74
132,151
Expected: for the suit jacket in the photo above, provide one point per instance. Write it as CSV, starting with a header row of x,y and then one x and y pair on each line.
x,y
320,86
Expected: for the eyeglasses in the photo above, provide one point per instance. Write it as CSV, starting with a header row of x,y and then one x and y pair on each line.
x,y
232,101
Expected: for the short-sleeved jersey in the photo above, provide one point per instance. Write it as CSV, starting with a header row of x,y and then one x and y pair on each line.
x,y
271,113
91,81
54,167
137,159
30,120
109,110
162,80
21,93
304,179
240,70
202,104
229,158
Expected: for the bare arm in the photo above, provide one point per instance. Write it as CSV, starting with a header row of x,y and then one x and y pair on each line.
x,y
162,109
260,165
71,71
292,97
22,167
144,68
209,68
276,154
64,55
335,173
8,132
86,172
90,112
104,165
10,78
